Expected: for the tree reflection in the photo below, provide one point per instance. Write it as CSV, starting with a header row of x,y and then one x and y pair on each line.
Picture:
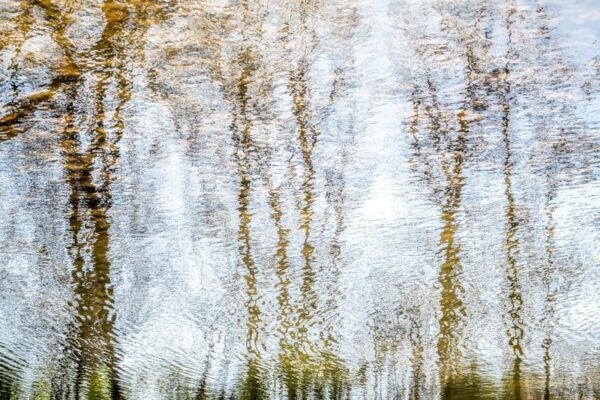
x,y
450,150
270,100
90,150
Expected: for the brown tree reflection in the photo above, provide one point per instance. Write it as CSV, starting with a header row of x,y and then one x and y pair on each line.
x,y
451,151
90,150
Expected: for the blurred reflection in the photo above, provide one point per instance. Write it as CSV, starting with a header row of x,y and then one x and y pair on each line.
x,y
298,200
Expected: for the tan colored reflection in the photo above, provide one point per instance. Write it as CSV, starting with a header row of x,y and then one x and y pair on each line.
x,y
89,171
247,156
19,27
93,332
20,108
439,156
308,366
451,153
307,139
301,368
75,63
452,308
416,357
244,146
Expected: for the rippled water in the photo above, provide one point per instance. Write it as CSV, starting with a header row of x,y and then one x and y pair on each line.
x,y
299,199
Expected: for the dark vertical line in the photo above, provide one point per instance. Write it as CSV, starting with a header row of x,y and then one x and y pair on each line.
x,y
549,300
515,332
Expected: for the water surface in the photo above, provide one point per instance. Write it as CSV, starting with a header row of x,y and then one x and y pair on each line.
x,y
299,199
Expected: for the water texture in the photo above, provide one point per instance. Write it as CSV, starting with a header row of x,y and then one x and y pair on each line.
x,y
299,199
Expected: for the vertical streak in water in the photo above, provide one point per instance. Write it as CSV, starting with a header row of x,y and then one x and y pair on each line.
x,y
417,350
418,151
549,207
515,332
336,196
283,298
202,392
512,249
90,204
450,302
244,151
93,335
421,164
433,111
333,368
297,354
282,262
247,155
451,160
472,67
307,138
550,294
244,146
300,366
451,154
